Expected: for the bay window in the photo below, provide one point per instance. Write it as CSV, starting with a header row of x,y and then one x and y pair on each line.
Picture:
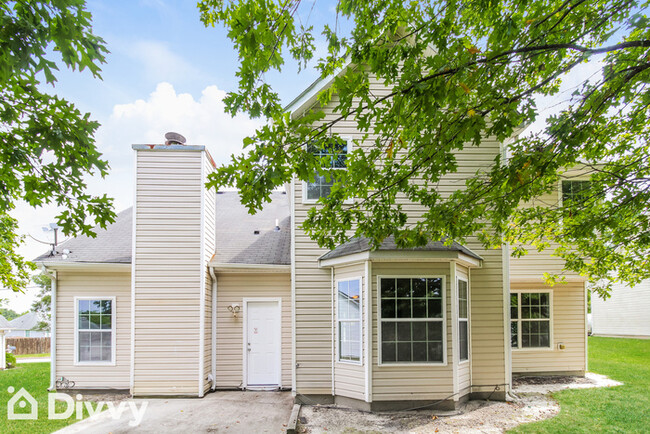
x,y
348,315
411,319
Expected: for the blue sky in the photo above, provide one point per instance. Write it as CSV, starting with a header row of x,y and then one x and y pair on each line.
x,y
165,72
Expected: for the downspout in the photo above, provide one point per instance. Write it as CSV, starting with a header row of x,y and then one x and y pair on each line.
x,y
214,327
334,343
53,284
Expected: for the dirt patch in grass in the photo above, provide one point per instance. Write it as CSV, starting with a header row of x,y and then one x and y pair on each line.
x,y
530,401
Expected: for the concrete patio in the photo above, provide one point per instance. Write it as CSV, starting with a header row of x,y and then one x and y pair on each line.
x,y
219,412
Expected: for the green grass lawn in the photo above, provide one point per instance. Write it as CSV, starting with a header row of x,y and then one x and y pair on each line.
x,y
621,409
35,378
29,356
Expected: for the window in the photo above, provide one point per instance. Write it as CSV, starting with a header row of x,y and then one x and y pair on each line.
x,y
412,320
348,316
95,330
530,320
574,192
334,156
463,314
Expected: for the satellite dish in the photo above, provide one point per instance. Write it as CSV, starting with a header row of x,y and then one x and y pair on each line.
x,y
175,139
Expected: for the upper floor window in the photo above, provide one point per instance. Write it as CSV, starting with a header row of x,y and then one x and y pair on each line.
x,y
333,155
95,336
530,319
574,192
412,319
348,316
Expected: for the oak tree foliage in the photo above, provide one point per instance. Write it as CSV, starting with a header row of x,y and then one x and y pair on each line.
x,y
457,73
46,144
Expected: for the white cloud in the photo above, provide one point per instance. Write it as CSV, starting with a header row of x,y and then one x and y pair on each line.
x,y
202,121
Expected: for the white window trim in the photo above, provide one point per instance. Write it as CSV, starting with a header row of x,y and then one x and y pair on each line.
x,y
76,331
443,320
469,339
519,348
573,178
338,321
306,201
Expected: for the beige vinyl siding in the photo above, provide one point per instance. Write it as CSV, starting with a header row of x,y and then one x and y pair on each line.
x,y
568,327
534,264
350,378
232,289
404,381
93,284
168,272
209,247
313,298
464,367
625,313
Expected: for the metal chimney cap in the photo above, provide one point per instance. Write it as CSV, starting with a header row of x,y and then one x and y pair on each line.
x,y
174,138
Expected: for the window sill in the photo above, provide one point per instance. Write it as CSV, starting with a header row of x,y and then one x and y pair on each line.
x,y
414,364
94,363
350,362
463,362
526,350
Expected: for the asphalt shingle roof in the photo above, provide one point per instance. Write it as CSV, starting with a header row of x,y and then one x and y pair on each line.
x,y
4,324
237,242
112,245
358,245
25,322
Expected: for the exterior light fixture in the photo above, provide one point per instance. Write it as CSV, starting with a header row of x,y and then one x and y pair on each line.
x,y
234,309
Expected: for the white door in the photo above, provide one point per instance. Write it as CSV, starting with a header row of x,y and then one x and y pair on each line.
x,y
263,343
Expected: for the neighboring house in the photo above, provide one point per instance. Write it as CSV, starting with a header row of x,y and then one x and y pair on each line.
x,y
624,314
186,293
5,328
26,326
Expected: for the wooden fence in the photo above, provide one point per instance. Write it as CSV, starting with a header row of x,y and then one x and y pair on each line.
x,y
30,345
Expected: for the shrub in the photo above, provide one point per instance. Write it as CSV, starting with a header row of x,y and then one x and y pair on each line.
x,y
11,360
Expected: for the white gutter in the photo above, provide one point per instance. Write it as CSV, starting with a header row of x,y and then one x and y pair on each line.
x,y
293,286
333,323
53,285
249,268
85,266
214,328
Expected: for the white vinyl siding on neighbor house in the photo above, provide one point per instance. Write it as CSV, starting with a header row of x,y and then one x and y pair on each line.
x,y
568,328
314,301
232,288
93,285
625,313
169,271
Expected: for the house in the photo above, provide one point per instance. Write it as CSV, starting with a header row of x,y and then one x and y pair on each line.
x,y
187,293
624,314
26,326
5,328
